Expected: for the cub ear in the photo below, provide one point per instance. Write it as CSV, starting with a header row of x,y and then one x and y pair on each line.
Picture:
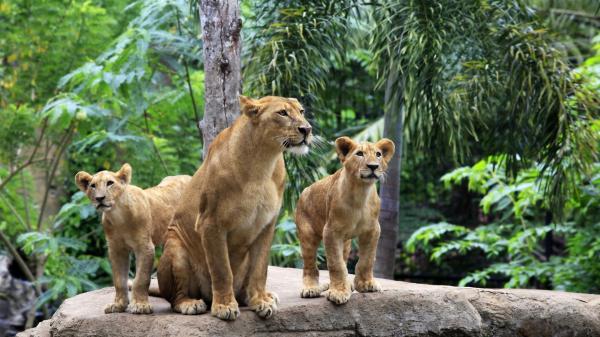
x,y
124,174
248,106
83,179
343,146
387,148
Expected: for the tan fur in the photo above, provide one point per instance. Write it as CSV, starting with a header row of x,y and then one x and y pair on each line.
x,y
338,208
134,220
218,244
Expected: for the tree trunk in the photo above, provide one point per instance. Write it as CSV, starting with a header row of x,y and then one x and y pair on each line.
x,y
221,26
390,187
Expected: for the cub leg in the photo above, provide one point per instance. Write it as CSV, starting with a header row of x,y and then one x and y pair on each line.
x,y
214,240
174,272
347,248
263,302
367,248
310,272
346,254
144,259
119,262
309,243
339,289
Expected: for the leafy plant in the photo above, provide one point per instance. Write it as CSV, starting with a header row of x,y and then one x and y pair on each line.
x,y
519,238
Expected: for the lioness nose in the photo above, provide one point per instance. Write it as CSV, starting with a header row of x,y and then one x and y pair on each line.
x,y
373,166
99,199
305,130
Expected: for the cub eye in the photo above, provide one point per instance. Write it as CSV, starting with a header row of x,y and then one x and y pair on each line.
x,y
378,154
110,182
302,111
282,113
360,153
93,185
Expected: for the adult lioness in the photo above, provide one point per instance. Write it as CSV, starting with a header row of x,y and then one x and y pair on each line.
x,y
134,220
336,209
218,243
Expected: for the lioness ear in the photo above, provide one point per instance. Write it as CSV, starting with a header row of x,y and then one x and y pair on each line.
x,y
248,106
124,174
387,148
82,179
343,146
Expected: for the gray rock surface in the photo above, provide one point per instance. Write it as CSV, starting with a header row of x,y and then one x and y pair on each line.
x,y
402,309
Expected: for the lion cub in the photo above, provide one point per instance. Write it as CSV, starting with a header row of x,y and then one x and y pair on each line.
x,y
336,209
134,220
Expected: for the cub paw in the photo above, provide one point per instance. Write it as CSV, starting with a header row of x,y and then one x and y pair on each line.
x,y
264,306
140,308
338,296
115,307
369,286
190,307
228,312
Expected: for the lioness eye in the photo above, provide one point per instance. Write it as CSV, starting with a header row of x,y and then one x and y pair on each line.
x,y
282,113
378,154
93,185
110,182
359,153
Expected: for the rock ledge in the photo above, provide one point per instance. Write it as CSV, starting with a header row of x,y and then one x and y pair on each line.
x,y
403,309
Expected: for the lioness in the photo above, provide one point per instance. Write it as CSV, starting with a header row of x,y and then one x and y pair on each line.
x,y
134,220
336,209
218,243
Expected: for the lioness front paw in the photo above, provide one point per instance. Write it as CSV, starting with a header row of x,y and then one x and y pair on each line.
x,y
115,307
369,286
311,292
338,296
190,307
264,306
140,308
228,312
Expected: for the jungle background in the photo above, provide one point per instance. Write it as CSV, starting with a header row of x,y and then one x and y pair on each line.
x,y
493,106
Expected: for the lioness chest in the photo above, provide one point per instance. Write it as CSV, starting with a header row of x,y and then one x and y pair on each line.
x,y
258,205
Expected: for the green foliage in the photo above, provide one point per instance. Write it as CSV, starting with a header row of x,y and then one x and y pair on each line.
x,y
68,270
43,40
285,250
17,128
292,45
515,242
485,77
136,86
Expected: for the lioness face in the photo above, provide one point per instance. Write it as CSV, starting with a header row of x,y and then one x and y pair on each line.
x,y
365,161
281,120
105,187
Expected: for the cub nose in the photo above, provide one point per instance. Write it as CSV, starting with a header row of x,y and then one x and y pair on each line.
x,y
305,130
373,167
99,199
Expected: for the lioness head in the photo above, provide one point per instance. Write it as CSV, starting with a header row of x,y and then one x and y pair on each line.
x,y
281,121
365,161
105,187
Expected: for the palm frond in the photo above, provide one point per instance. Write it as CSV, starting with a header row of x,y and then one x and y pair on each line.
x,y
484,75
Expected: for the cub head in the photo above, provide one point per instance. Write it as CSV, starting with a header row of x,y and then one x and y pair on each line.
x,y
365,161
105,187
280,121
